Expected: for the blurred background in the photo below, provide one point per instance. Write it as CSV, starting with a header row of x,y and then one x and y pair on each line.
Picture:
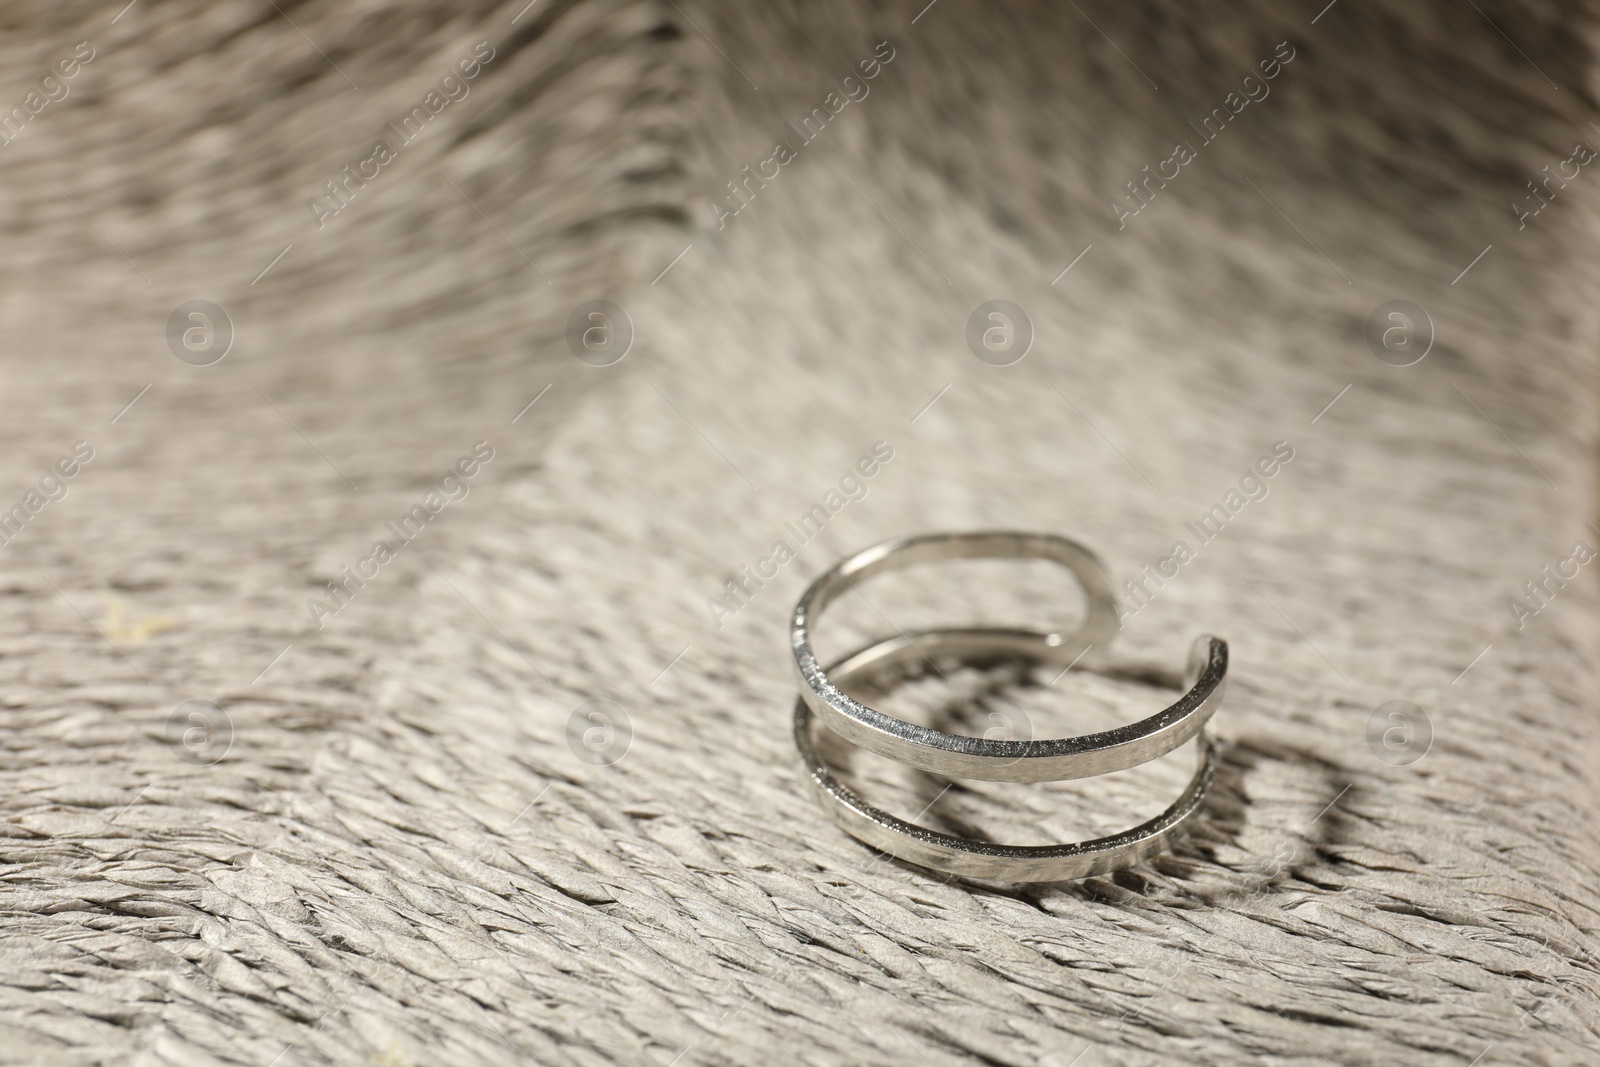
x,y
1361,236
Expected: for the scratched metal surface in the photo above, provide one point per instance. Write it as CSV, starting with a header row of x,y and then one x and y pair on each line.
x,y
398,835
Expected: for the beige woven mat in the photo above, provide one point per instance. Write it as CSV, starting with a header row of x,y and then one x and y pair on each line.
x,y
395,834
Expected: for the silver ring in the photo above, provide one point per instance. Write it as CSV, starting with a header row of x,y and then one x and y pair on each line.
x,y
982,859
987,759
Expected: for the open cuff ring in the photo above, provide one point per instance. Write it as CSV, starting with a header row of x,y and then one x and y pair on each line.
x,y
960,756
989,759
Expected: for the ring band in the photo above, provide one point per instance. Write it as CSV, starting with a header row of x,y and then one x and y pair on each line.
x,y
987,759
983,859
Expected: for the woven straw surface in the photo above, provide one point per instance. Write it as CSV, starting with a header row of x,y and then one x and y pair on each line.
x,y
529,794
